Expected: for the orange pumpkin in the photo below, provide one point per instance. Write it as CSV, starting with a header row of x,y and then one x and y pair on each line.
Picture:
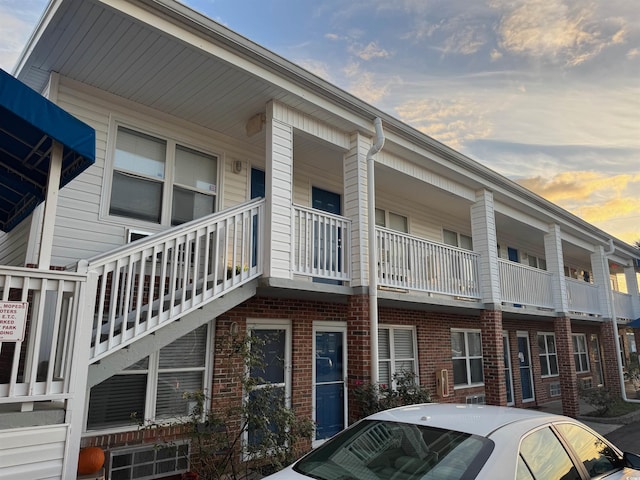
x,y
90,460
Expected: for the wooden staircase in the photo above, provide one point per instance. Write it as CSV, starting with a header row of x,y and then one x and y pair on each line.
x,y
149,284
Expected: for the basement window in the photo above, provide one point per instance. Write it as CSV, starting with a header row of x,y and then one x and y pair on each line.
x,y
149,461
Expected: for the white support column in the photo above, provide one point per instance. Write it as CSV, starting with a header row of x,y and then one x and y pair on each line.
x,y
632,289
600,267
555,265
356,208
50,207
279,197
483,231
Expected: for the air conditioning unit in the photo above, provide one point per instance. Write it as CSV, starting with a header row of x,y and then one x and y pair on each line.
x,y
442,383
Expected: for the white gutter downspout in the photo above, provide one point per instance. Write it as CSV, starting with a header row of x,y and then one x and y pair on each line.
x,y
373,270
614,324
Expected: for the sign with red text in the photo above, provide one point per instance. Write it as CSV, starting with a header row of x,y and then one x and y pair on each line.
x,y
13,320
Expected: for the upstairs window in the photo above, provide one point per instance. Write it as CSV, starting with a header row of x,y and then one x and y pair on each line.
x,y
158,181
393,221
455,239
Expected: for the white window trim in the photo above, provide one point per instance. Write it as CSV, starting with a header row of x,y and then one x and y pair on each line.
x,y
546,355
468,358
392,360
584,353
162,133
150,396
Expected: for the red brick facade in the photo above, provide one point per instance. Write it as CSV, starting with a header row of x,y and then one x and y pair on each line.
x,y
433,338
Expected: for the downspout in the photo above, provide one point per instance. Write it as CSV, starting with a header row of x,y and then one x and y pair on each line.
x,y
373,270
614,325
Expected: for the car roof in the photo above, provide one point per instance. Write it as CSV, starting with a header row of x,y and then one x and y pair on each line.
x,y
474,419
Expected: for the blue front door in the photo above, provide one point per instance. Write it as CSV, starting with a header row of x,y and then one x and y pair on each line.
x,y
327,238
329,383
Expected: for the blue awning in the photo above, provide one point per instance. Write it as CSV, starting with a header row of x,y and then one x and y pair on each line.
x,y
633,323
29,123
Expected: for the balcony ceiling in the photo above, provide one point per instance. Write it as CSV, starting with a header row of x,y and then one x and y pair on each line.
x,y
155,69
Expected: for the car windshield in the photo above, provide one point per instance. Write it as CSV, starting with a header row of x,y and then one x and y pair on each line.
x,y
380,450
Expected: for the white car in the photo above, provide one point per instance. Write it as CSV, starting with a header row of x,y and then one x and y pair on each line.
x,y
451,442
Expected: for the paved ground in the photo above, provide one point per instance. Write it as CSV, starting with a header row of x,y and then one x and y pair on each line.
x,y
623,432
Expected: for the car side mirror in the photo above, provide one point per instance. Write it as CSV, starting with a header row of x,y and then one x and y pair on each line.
x,y
631,460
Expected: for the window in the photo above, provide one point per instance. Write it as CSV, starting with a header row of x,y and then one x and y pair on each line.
x,y
152,388
466,354
536,450
548,354
537,262
391,220
158,181
580,353
149,461
597,457
456,239
396,347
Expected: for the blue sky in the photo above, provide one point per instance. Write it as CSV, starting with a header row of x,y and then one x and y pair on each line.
x,y
545,92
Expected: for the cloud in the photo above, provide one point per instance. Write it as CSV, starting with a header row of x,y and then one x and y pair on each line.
x,y
15,30
453,121
369,52
363,84
600,199
316,67
560,31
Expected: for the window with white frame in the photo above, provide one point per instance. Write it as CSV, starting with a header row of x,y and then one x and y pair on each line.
x,y
271,344
455,239
396,353
580,352
537,262
159,181
393,221
466,355
154,387
548,354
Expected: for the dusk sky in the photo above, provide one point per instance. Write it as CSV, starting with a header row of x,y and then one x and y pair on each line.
x,y
545,92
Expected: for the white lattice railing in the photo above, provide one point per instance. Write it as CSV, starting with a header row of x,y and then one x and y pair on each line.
x,y
153,281
583,297
39,367
623,303
522,285
321,246
413,263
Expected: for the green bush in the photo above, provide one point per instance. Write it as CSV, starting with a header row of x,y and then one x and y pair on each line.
x,y
599,398
375,397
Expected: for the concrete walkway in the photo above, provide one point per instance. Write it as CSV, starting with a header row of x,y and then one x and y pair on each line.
x,y
601,425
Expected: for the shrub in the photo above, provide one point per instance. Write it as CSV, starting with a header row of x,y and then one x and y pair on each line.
x,y
375,397
599,398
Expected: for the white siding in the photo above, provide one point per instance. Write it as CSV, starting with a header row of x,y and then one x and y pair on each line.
x,y
81,229
13,245
32,453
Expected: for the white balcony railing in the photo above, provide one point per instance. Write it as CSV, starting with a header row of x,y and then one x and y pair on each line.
x,y
583,297
409,262
153,281
321,244
522,285
40,366
623,304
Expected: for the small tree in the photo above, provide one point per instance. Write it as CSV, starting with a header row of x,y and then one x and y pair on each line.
x,y
261,435
375,397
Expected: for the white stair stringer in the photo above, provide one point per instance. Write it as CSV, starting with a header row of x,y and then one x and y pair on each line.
x,y
124,357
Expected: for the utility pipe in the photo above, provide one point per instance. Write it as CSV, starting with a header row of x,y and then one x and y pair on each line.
x,y
614,326
373,270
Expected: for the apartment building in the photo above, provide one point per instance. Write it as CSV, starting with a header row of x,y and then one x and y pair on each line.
x,y
232,191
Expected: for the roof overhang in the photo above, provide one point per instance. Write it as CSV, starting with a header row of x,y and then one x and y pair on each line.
x,y
29,126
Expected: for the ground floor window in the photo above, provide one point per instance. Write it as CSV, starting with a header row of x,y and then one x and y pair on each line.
x,y
397,353
548,354
466,355
154,387
580,353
